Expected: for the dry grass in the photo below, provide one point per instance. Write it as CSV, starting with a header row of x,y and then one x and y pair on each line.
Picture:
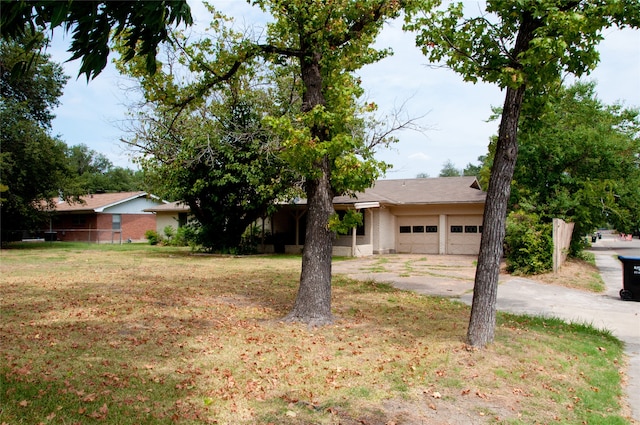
x,y
576,274
141,335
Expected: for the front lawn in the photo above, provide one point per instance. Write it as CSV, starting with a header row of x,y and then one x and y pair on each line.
x,y
139,334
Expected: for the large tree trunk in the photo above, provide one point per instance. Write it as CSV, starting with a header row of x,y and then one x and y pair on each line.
x,y
482,323
313,303
485,291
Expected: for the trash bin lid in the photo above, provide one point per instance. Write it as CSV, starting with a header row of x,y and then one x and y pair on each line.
x,y
623,258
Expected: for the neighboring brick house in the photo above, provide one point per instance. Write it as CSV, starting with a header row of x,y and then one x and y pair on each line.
x,y
104,217
419,216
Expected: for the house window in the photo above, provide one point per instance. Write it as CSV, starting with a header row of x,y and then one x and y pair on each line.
x,y
418,229
456,229
116,222
182,219
431,229
480,229
405,229
78,221
471,229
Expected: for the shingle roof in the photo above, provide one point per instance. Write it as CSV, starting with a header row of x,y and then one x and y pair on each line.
x,y
170,207
440,190
99,201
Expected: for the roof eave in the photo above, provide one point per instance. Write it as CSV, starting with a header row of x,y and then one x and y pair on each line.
x,y
104,207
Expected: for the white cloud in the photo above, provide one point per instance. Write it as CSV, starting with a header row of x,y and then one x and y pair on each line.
x,y
419,156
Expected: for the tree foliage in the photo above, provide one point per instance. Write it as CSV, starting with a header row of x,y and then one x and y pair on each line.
x,y
579,160
474,169
212,152
449,169
32,162
528,243
142,25
93,172
523,47
220,162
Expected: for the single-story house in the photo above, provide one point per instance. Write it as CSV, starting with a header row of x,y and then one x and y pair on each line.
x,y
420,216
104,217
174,214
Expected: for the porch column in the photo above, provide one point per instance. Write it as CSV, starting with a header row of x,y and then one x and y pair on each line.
x,y
298,215
354,236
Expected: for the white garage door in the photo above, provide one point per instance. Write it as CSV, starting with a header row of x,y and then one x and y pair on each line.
x,y
464,234
418,234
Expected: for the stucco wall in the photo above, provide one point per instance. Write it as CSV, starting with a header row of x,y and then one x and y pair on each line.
x,y
166,219
386,241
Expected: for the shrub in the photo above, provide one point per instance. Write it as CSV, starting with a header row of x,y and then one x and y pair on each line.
x,y
153,237
186,236
169,232
250,240
528,244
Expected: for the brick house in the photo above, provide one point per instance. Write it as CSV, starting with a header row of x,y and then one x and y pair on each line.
x,y
104,217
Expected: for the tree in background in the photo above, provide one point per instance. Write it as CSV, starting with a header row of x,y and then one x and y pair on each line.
x,y
33,165
523,47
93,172
142,25
449,169
579,160
474,169
216,155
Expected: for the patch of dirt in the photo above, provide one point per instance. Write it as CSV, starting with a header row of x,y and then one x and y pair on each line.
x,y
576,274
425,409
468,410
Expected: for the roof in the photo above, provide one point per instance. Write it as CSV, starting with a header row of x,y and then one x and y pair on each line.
x,y
177,206
100,201
440,190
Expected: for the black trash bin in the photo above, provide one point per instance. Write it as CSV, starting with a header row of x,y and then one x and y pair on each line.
x,y
50,236
630,278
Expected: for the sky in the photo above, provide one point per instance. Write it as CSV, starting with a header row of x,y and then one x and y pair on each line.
x,y
454,113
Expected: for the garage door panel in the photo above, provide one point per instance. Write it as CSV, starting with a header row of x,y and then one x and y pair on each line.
x,y
464,235
418,235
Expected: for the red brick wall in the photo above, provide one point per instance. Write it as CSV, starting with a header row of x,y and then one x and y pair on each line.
x,y
104,233
135,225
75,227
98,227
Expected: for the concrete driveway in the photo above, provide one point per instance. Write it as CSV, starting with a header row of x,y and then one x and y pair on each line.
x,y
453,276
